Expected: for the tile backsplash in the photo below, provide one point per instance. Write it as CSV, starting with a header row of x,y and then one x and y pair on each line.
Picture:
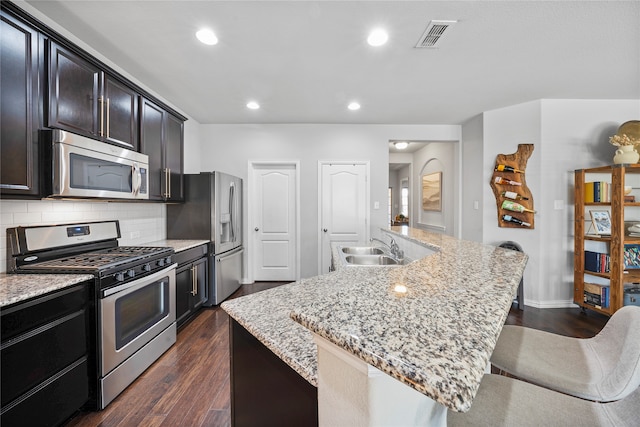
x,y
139,222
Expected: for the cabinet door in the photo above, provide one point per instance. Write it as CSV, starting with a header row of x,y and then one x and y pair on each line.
x,y
19,106
151,144
121,114
200,271
74,93
184,285
173,157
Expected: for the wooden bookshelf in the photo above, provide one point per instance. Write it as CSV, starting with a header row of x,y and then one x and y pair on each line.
x,y
617,276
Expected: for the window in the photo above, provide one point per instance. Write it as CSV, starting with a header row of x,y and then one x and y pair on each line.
x,y
389,205
404,197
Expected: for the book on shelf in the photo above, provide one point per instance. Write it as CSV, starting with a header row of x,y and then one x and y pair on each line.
x,y
596,295
630,199
596,262
597,192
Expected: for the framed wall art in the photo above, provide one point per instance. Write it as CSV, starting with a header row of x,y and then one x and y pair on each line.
x,y
432,192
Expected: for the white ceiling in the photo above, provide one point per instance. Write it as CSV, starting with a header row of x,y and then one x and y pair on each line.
x,y
303,61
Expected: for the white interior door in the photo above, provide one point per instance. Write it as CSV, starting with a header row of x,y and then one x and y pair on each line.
x,y
274,222
344,197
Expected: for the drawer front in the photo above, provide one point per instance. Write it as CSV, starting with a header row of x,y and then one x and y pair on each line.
x,y
52,404
29,315
189,255
28,360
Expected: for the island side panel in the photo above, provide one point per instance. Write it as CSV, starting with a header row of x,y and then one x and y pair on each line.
x,y
264,390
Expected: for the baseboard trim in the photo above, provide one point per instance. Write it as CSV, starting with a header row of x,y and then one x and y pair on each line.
x,y
551,304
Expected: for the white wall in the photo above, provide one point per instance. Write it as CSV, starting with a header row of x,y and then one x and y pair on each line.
x,y
471,192
436,157
567,135
229,148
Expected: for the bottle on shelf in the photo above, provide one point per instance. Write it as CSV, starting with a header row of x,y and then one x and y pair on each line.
x,y
501,180
509,218
513,195
505,168
516,207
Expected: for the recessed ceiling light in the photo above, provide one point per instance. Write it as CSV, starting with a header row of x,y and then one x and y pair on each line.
x,y
401,145
353,106
253,105
377,37
207,36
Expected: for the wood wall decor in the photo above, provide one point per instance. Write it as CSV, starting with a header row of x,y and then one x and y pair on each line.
x,y
510,189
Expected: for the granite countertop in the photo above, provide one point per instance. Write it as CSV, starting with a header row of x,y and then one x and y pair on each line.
x,y
176,244
20,287
431,324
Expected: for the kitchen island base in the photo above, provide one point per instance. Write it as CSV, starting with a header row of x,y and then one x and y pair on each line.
x,y
354,393
266,391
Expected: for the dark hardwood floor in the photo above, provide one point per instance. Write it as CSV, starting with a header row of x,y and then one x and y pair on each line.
x,y
189,385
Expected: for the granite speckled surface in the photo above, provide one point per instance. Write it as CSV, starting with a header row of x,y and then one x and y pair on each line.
x,y
177,244
431,324
20,287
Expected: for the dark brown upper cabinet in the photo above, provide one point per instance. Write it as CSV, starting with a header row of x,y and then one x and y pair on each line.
x,y
85,100
20,107
161,138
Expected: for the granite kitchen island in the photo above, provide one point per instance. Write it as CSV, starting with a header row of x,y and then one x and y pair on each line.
x,y
431,325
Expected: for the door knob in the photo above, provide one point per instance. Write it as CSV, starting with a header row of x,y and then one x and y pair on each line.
x,y
256,229
325,230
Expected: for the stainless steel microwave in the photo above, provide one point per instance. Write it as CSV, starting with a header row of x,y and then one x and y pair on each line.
x,y
83,167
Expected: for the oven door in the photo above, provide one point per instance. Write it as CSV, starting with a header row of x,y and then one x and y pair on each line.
x,y
83,167
134,313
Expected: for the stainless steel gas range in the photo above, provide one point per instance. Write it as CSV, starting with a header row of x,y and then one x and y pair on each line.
x,y
134,288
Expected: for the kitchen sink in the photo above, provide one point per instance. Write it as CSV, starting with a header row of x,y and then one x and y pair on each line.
x,y
370,260
362,250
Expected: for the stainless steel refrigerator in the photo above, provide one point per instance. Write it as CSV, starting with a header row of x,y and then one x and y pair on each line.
x,y
212,211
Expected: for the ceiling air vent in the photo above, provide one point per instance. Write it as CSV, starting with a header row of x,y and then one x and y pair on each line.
x,y
434,33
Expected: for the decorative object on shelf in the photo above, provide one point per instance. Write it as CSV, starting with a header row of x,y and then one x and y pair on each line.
x,y
627,139
514,220
601,222
432,191
505,168
513,195
504,181
509,175
516,207
626,154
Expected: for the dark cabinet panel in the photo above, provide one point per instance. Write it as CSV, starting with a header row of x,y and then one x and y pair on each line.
x,y
85,100
44,357
121,111
265,391
21,74
191,283
174,157
151,143
74,93
162,140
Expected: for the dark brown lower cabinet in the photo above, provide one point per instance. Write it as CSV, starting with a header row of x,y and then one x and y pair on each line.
x,y
44,358
265,391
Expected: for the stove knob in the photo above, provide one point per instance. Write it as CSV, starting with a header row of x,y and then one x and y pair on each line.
x,y
119,276
167,260
131,273
160,262
146,267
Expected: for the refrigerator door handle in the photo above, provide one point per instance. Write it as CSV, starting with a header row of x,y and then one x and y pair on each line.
x,y
231,254
232,212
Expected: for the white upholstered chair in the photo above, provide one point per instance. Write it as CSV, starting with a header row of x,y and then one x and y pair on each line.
x,y
604,368
503,401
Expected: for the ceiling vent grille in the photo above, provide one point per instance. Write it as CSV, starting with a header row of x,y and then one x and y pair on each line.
x,y
434,33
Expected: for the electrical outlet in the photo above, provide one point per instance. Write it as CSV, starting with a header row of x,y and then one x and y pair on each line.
x,y
134,234
376,205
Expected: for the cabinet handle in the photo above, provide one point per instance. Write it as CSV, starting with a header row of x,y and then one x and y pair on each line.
x,y
101,101
169,182
194,280
107,118
165,194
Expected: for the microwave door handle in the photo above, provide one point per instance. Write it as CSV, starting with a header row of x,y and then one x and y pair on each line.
x,y
136,179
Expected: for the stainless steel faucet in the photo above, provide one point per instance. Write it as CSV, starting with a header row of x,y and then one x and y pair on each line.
x,y
393,247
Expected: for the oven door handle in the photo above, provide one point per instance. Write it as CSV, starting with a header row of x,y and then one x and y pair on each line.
x,y
147,279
